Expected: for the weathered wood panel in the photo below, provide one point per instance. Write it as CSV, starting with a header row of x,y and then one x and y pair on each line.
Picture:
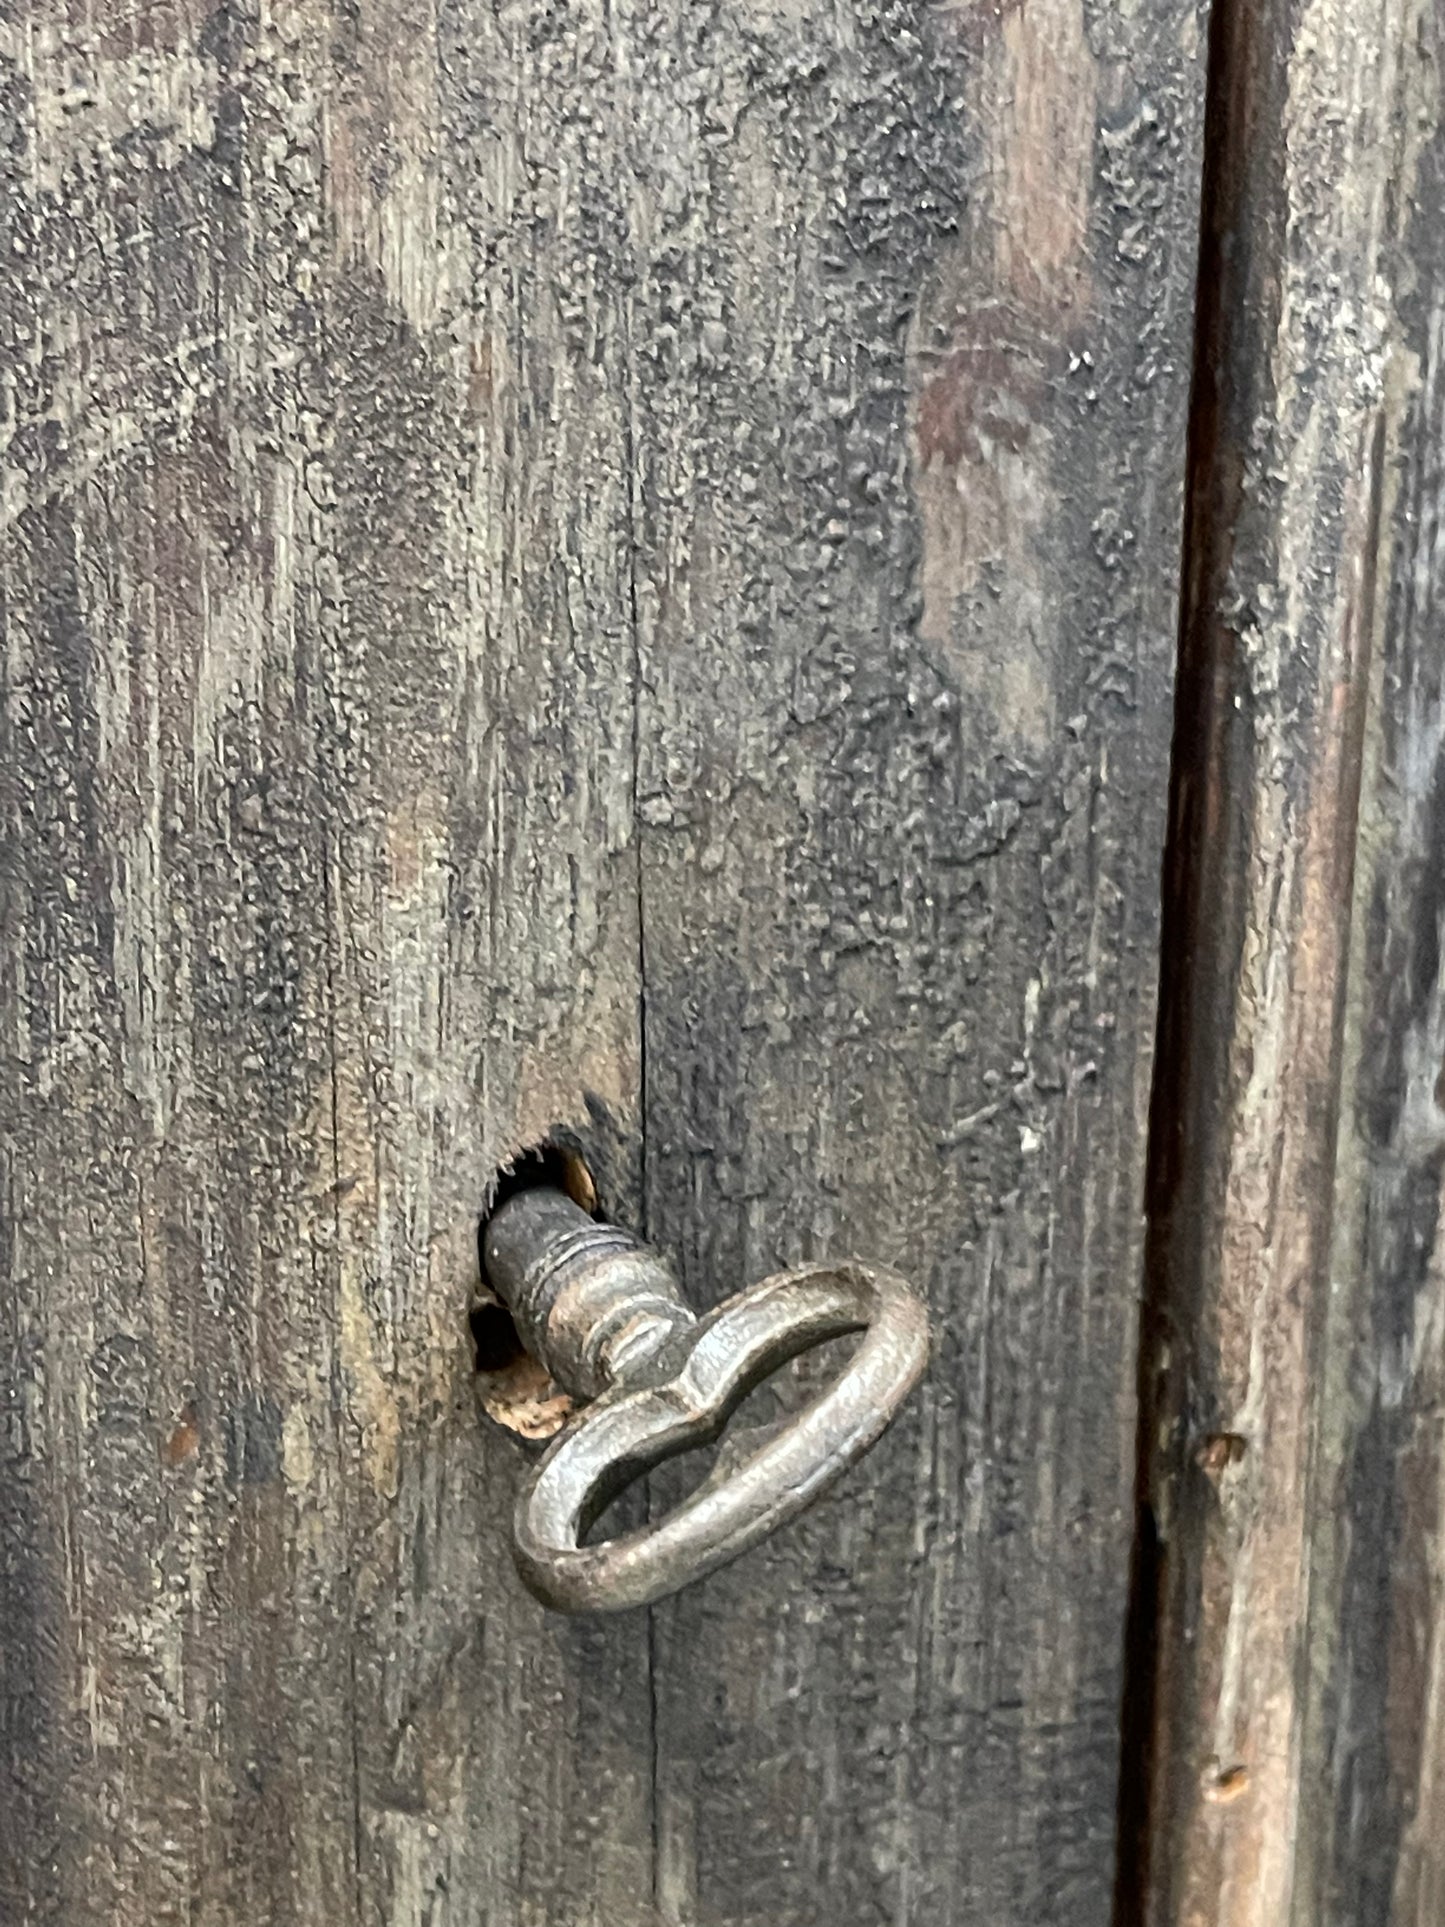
x,y
600,566
1268,1796
319,897
911,320
1372,1832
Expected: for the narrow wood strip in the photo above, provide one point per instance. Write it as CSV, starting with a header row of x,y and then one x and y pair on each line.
x,y
1292,425
1372,1832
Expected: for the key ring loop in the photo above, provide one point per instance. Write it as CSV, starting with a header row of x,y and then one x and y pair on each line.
x,y
703,1374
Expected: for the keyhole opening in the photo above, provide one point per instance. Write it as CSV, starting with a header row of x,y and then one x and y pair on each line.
x,y
496,1342
515,1389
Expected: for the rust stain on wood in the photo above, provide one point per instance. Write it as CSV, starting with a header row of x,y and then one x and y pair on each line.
x,y
185,1437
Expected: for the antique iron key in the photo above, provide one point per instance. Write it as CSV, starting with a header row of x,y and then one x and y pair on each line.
x,y
603,1313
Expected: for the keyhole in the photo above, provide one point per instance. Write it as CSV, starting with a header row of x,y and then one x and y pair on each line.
x,y
515,1390
496,1344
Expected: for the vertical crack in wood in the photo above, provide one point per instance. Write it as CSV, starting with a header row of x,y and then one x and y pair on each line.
x,y
1141,1655
912,314
1286,449
315,718
633,518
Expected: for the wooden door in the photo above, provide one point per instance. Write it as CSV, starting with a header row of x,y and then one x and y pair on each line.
x,y
610,573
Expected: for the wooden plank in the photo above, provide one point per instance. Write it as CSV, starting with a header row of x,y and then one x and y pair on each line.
x,y
1316,104
320,897
911,323
1372,1812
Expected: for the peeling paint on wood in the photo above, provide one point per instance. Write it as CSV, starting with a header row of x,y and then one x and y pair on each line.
x,y
909,464
598,565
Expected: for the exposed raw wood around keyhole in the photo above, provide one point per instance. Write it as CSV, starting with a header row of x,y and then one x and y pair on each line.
x,y
515,1390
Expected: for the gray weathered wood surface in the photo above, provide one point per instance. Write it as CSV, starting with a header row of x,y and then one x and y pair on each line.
x,y
1372,1834
599,566
320,897
912,331
1285,484
1293,1359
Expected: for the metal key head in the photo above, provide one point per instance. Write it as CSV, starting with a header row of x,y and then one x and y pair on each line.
x,y
693,1385
589,1299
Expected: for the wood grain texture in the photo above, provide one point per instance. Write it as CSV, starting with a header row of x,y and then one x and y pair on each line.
x,y
319,897
911,325
592,565
1298,404
1372,1834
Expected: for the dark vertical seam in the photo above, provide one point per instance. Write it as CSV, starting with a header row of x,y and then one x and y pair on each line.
x,y
1241,214
1139,1702
644,1202
633,520
629,445
654,1759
